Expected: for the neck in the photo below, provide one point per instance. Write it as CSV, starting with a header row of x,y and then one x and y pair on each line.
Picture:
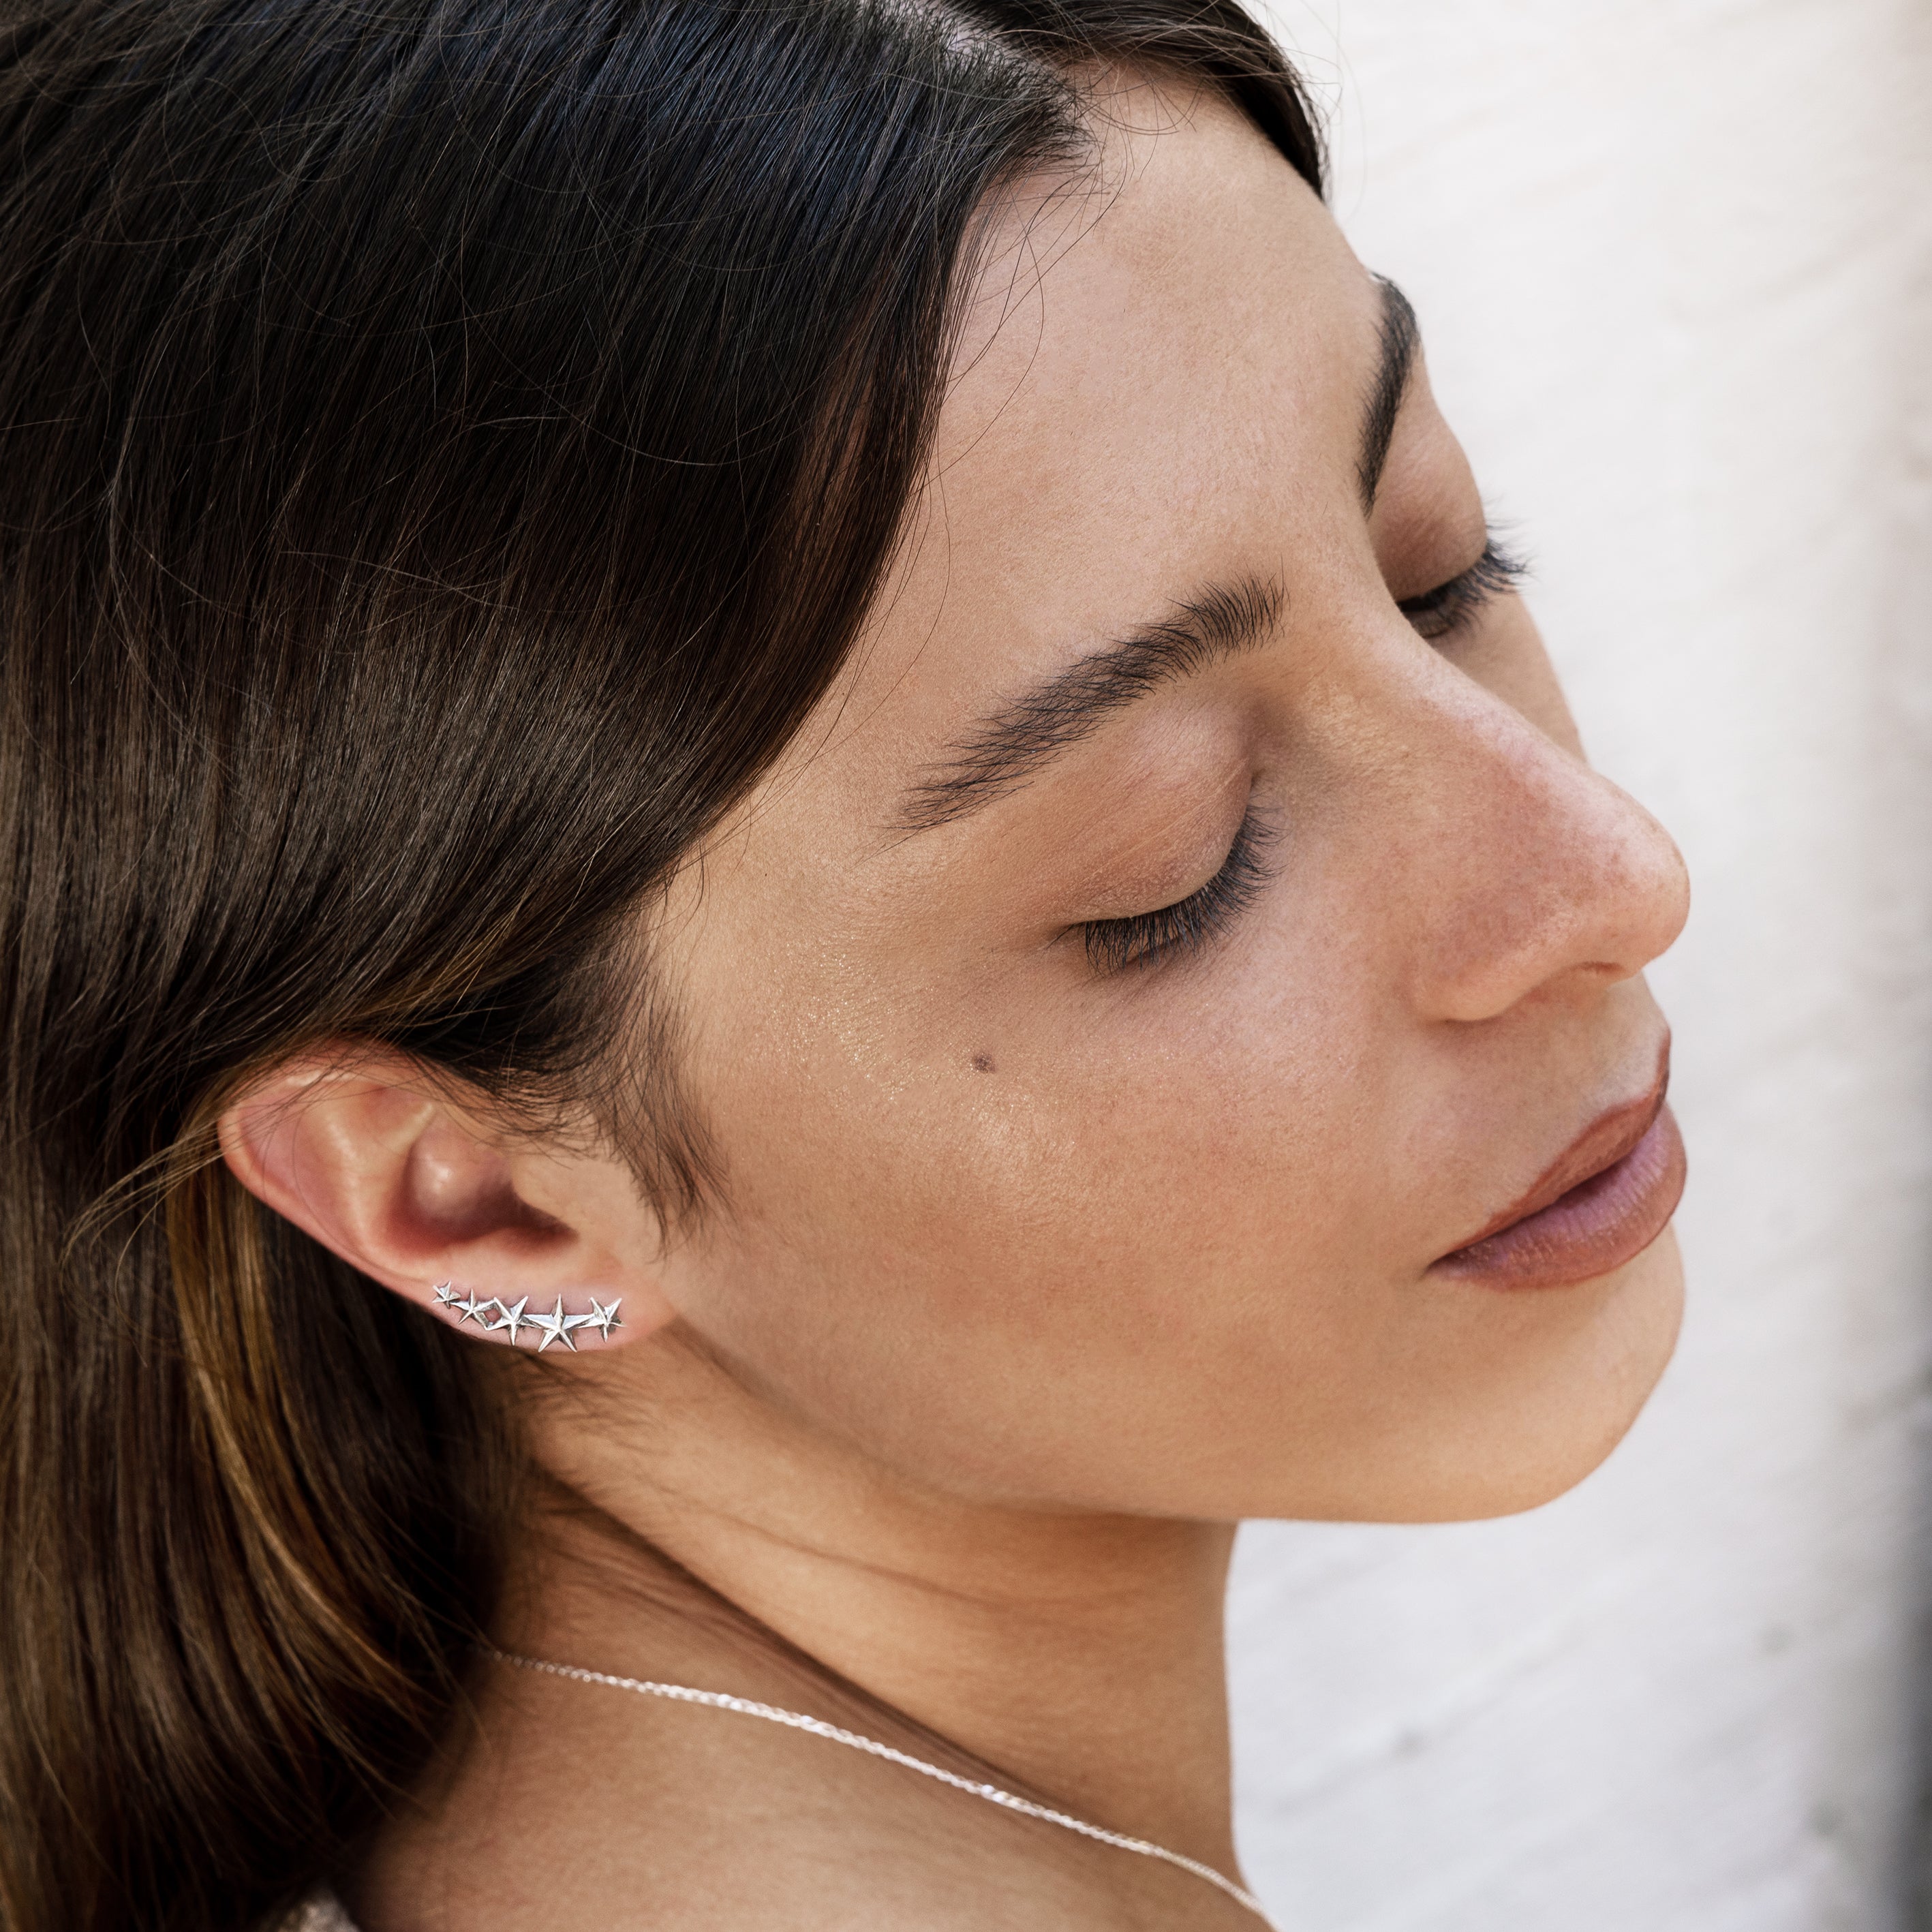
x,y
1080,1656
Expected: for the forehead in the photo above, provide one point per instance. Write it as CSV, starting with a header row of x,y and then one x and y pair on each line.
x,y
1159,386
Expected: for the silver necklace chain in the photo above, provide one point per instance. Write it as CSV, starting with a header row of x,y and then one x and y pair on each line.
x,y
796,1721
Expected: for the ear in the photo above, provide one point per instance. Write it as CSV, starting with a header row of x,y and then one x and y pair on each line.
x,y
521,1244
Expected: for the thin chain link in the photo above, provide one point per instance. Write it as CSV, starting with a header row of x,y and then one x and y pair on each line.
x,y
796,1721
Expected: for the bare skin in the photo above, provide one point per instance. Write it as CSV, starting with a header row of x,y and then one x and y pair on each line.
x,y
1035,1271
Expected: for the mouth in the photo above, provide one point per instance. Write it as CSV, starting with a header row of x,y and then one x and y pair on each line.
x,y
1599,1204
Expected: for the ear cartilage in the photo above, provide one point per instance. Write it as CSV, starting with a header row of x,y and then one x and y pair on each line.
x,y
510,1319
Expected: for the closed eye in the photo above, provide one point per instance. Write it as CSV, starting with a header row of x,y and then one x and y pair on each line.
x,y
1454,606
1187,925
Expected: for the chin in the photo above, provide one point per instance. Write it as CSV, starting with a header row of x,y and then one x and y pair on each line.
x,y
1541,1417
1586,1402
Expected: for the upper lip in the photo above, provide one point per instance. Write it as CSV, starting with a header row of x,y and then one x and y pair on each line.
x,y
1604,1142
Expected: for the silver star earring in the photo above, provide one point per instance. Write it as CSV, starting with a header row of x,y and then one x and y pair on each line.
x,y
464,1307
556,1326
511,1319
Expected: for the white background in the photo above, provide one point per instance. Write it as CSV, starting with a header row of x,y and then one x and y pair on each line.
x,y
1673,260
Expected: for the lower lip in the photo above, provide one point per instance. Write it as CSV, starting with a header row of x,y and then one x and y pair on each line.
x,y
1600,1224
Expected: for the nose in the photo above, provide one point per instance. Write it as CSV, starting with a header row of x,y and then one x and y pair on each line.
x,y
1538,875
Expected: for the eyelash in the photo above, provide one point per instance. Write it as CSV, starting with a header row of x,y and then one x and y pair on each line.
x,y
1450,606
1113,945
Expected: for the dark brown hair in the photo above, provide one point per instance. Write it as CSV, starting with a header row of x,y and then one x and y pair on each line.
x,y
446,447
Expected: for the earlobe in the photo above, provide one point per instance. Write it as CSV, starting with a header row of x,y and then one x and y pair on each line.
x,y
523,1247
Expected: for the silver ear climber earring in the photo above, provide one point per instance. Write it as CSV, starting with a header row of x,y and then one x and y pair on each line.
x,y
498,1317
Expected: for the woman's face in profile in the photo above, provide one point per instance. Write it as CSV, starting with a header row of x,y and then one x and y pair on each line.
x,y
1038,1190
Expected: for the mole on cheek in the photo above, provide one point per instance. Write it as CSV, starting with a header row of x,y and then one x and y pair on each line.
x,y
982,1062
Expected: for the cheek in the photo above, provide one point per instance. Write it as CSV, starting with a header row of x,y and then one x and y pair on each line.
x,y
1055,1132
1153,1194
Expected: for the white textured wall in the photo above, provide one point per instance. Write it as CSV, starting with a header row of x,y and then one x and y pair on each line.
x,y
1672,260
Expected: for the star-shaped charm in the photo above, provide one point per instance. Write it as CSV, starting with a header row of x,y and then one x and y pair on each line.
x,y
604,1319
510,1319
470,1309
444,1292
556,1326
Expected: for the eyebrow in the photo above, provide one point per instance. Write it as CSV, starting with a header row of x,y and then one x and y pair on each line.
x,y
1401,339
1010,745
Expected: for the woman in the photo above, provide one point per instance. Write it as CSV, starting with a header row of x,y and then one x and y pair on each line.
x,y
790,882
